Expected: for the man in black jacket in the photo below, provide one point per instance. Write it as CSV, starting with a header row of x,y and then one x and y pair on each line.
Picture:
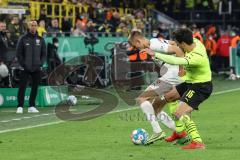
x,y
3,53
3,42
31,54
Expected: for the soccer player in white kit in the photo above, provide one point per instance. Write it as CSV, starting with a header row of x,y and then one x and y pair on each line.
x,y
150,100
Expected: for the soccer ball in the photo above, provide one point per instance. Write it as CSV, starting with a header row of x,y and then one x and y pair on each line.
x,y
139,136
233,77
72,100
3,71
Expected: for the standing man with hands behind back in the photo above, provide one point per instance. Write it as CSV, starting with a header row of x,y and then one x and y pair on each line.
x,y
31,54
3,55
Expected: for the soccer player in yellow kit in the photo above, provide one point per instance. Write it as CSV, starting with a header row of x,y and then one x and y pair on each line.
x,y
149,101
198,81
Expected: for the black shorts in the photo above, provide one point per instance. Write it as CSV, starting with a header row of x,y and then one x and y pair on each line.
x,y
194,93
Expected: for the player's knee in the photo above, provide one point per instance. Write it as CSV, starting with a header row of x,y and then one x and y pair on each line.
x,y
140,100
172,95
177,116
167,98
170,98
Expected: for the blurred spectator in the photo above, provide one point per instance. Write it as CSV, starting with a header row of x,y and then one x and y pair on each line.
x,y
115,20
100,14
91,10
183,25
58,1
202,32
15,30
211,45
223,44
140,14
109,14
189,4
78,29
3,42
104,28
82,23
211,30
66,26
139,25
54,29
44,17
178,5
196,33
122,29
129,20
4,79
155,33
235,40
23,25
41,30
91,27
125,31
164,30
53,60
201,5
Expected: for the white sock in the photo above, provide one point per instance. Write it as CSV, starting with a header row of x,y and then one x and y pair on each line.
x,y
166,120
148,110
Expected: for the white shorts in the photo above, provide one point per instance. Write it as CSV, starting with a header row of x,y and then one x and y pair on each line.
x,y
160,87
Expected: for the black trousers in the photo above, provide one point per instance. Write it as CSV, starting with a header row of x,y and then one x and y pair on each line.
x,y
4,82
224,62
24,77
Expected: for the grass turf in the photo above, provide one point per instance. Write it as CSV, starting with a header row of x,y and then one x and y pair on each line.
x,y
108,137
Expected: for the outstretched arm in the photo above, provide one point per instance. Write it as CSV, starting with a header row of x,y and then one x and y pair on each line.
x,y
179,53
165,46
171,59
175,50
166,58
172,42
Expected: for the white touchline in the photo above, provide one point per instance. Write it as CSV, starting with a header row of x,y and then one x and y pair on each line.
x,y
4,121
226,91
117,111
28,127
18,119
26,117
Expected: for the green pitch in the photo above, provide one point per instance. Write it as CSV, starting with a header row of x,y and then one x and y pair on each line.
x,y
108,137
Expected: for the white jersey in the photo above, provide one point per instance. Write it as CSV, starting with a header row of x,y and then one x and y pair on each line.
x,y
171,75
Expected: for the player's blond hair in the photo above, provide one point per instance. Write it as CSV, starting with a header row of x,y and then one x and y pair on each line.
x,y
134,36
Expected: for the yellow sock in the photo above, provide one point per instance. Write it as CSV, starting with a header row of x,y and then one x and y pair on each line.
x,y
191,128
179,124
180,127
173,106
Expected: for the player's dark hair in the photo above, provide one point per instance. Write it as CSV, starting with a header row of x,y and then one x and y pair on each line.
x,y
183,35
